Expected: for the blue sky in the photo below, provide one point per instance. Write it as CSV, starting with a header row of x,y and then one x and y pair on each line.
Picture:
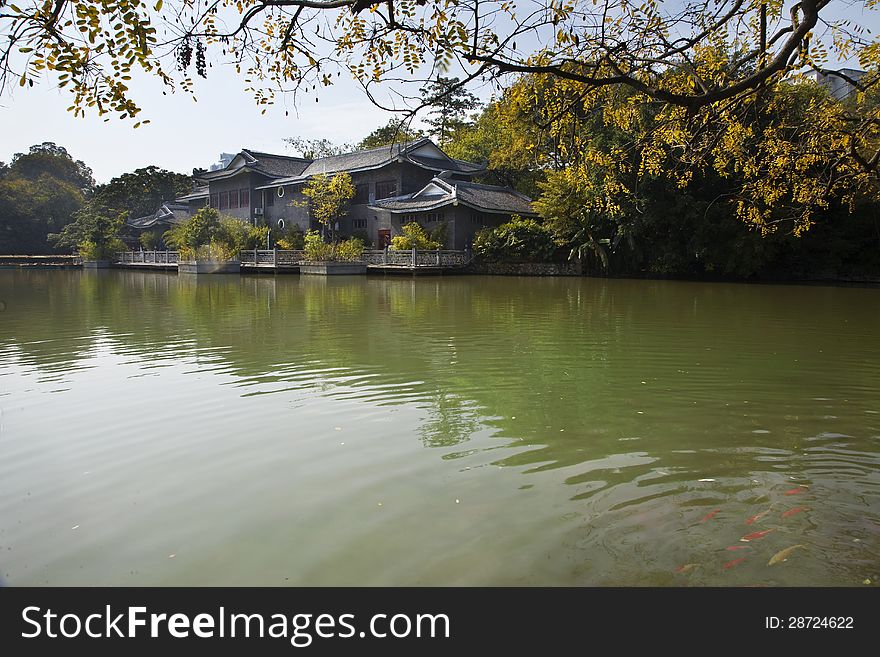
x,y
184,134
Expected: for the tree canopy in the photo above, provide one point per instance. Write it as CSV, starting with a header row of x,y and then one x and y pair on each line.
x,y
39,193
393,132
93,46
448,107
141,192
691,72
328,198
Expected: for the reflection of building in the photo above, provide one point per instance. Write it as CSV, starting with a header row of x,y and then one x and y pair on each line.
x,y
413,181
837,85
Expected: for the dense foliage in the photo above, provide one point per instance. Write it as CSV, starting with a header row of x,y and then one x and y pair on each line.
x,y
519,240
393,132
142,191
93,234
208,235
758,195
414,237
317,250
328,198
39,193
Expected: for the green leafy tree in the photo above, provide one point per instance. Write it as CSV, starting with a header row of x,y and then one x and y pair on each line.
x,y
142,191
506,142
317,250
414,237
94,234
349,250
54,161
328,199
31,209
518,240
393,132
312,149
39,193
449,106
291,238
150,239
231,235
193,233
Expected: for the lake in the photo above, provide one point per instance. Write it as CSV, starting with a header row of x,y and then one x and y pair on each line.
x,y
158,429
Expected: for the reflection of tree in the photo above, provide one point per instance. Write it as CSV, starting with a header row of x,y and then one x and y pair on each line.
x,y
451,420
529,357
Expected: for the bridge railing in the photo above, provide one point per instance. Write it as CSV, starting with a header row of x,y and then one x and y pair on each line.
x,y
147,257
409,258
278,257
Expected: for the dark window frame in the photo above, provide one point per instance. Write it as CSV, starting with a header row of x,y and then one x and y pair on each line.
x,y
361,194
389,185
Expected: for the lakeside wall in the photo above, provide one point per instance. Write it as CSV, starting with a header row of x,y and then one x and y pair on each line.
x,y
524,268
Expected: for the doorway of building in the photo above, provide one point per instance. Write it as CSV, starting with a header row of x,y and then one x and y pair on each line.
x,y
384,237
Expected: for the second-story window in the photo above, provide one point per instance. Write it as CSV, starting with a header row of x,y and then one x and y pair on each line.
x,y
362,194
224,201
270,196
244,198
215,200
233,198
386,188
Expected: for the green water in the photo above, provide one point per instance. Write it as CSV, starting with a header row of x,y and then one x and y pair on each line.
x,y
162,430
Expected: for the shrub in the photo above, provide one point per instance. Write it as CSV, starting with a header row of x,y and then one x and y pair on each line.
x,y
193,233
150,239
91,250
94,234
208,236
350,249
439,234
414,237
316,248
291,238
363,237
519,240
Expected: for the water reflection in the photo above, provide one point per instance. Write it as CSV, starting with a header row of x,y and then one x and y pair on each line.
x,y
454,430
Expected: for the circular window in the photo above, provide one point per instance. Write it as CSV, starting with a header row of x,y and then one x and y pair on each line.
x,y
281,224
280,192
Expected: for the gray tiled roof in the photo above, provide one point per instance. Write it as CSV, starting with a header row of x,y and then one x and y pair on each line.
x,y
368,159
375,158
266,164
277,166
440,164
169,214
488,198
197,193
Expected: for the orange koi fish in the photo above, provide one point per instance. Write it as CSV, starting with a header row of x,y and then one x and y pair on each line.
x,y
687,567
754,536
757,517
795,491
794,511
710,515
731,564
